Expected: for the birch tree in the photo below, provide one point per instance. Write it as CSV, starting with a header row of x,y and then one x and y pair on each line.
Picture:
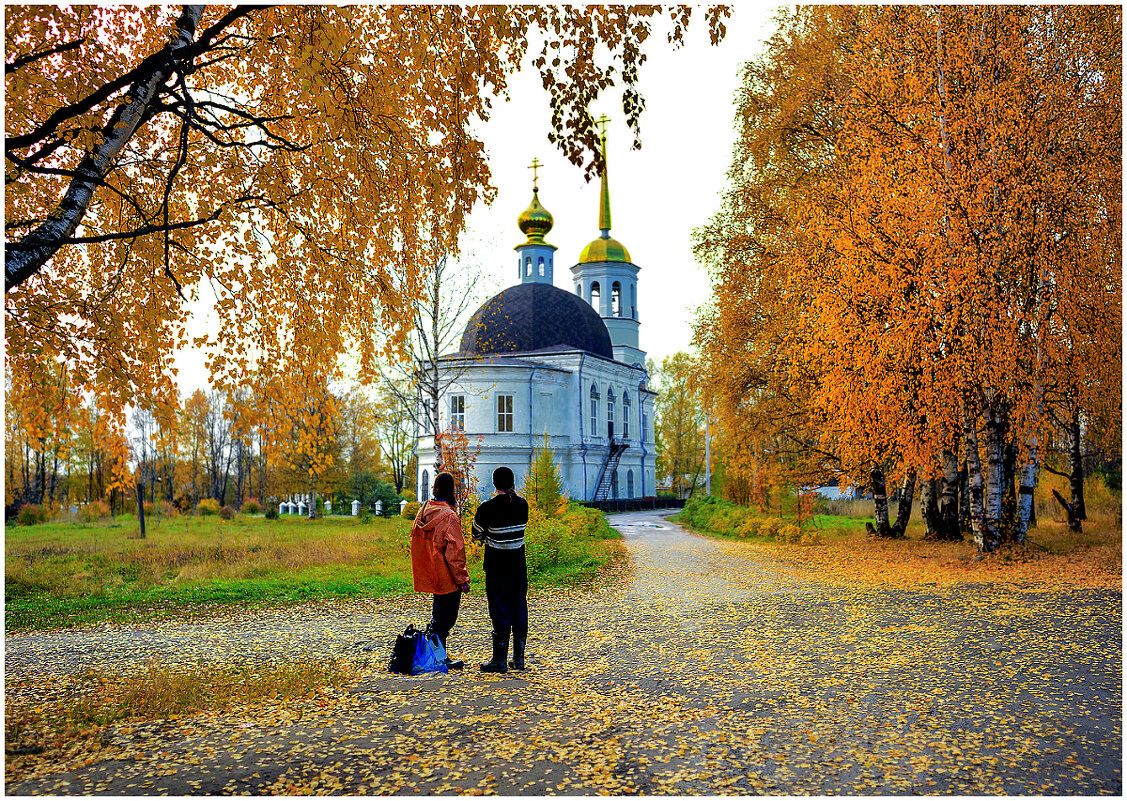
x,y
930,197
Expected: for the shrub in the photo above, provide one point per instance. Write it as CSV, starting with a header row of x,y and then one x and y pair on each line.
x,y
700,509
769,527
547,539
789,533
95,510
587,522
208,506
811,537
159,508
271,513
748,528
30,514
1100,500
251,507
408,495
411,509
227,513
365,517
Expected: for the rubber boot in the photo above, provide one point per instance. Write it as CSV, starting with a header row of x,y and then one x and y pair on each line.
x,y
451,664
517,662
500,651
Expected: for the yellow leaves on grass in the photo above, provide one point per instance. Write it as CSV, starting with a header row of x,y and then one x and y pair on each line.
x,y
859,561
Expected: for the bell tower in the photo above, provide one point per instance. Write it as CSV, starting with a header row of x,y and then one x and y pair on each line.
x,y
607,279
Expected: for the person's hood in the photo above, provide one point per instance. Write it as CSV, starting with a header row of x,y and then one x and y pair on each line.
x,y
433,511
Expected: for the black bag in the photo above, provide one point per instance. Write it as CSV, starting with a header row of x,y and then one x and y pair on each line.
x,y
403,654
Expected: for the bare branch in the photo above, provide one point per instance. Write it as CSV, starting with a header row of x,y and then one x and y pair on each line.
x,y
23,61
152,66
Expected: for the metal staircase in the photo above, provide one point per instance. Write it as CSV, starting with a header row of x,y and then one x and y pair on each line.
x,y
614,453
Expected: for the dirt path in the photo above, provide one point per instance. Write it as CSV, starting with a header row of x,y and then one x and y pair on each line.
x,y
706,669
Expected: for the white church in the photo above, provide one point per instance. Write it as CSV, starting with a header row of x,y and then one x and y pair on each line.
x,y
537,360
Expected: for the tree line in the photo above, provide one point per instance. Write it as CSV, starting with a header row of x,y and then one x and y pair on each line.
x,y
917,266
232,447
304,166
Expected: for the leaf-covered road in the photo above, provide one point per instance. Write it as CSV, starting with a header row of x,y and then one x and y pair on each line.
x,y
704,667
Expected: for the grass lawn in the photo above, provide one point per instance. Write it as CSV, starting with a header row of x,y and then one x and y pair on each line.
x,y
62,574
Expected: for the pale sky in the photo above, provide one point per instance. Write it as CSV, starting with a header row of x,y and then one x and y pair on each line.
x,y
658,194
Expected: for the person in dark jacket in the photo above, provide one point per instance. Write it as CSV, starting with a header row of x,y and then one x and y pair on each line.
x,y
500,523
438,558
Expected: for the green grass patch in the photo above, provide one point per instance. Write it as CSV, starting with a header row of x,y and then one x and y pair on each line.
x,y
63,574
716,517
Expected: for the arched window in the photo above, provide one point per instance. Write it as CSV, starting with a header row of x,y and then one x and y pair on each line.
x,y
540,265
610,413
596,296
629,483
633,302
528,266
614,484
579,290
424,487
520,267
616,299
626,416
594,411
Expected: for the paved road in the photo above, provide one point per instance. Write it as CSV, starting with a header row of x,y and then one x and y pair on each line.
x,y
706,668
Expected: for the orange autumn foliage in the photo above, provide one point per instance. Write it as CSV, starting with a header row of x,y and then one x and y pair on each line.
x,y
922,239
292,167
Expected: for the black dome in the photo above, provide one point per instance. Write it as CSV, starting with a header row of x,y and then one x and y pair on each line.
x,y
529,317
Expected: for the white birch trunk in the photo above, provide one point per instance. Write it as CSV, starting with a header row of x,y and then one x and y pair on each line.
x,y
880,502
974,473
37,247
996,426
949,497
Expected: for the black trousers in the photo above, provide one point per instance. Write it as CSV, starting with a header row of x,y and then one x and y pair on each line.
x,y
444,614
506,588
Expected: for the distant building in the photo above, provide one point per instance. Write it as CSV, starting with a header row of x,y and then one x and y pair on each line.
x,y
832,492
538,360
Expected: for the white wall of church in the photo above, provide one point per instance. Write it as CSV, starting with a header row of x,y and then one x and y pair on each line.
x,y
508,405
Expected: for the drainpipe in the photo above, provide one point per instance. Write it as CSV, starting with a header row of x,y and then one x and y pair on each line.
x,y
582,442
531,376
642,428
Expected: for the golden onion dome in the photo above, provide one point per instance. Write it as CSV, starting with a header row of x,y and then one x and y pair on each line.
x,y
535,221
604,249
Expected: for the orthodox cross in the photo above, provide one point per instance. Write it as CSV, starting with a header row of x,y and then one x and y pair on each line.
x,y
601,122
534,167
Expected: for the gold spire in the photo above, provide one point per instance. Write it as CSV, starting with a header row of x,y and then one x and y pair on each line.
x,y
605,248
604,192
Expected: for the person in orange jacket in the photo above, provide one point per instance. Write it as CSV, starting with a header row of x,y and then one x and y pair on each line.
x,y
438,558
